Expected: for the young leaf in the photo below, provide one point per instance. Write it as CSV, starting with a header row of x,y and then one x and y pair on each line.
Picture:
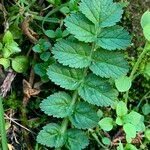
x,y
45,56
58,105
51,136
74,54
119,121
130,130
66,77
81,27
76,139
8,37
121,109
123,83
20,64
50,33
112,38
106,141
108,64
106,123
145,20
102,12
84,116
97,91
146,109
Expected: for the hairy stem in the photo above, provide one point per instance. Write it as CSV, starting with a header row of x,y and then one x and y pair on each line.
x,y
135,67
2,126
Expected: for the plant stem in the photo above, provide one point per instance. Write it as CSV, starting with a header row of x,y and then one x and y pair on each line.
x,y
135,67
2,126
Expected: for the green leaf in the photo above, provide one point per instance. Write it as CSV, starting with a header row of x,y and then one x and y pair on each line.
x,y
20,64
74,54
147,134
8,37
130,130
98,91
106,141
51,136
108,64
84,116
146,31
119,121
50,33
58,105
112,38
106,123
130,147
66,77
76,139
45,56
121,109
5,62
146,109
102,12
81,27
145,20
1,46
123,83
147,69
133,118
120,146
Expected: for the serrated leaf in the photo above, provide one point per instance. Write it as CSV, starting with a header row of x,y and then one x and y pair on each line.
x,y
81,27
106,123
5,62
108,64
51,136
74,54
145,20
97,91
102,12
123,83
130,130
76,139
66,77
58,105
20,64
112,38
84,116
121,109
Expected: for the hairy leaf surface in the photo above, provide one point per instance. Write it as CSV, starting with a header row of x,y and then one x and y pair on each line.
x,y
76,139
84,116
74,54
66,77
58,105
109,64
81,27
97,91
112,38
102,12
51,136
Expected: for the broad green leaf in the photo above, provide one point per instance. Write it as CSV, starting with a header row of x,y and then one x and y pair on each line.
x,y
106,123
119,121
81,27
8,37
58,105
108,64
121,109
130,130
133,118
74,54
147,69
98,91
146,31
5,62
140,127
130,147
102,12
112,38
66,77
123,83
106,141
146,109
76,139
147,134
51,136
84,116
20,64
50,33
145,20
